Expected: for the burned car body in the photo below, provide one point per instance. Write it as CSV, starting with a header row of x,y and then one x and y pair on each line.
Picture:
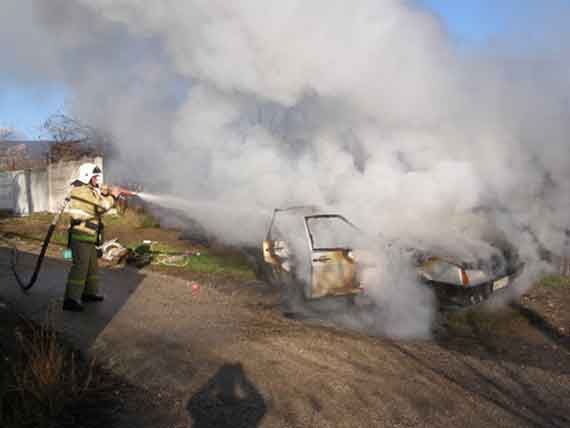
x,y
324,264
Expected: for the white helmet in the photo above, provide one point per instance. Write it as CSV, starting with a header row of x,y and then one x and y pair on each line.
x,y
87,171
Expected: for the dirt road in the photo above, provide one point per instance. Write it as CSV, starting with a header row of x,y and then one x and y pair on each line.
x,y
227,356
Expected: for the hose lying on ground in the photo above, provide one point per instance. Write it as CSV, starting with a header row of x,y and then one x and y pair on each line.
x,y
14,253
173,260
167,258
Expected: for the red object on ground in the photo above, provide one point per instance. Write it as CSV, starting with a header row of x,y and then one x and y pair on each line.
x,y
195,287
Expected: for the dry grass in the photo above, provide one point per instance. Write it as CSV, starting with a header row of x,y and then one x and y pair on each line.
x,y
555,281
471,322
41,379
136,218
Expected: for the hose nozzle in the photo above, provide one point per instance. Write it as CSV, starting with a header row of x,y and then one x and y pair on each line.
x,y
126,192
118,191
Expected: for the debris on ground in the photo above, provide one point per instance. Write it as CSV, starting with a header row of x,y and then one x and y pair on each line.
x,y
113,251
137,259
149,252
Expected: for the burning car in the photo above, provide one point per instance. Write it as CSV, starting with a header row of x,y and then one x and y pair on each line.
x,y
325,255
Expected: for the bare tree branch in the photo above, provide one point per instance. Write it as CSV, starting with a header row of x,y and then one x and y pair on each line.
x,y
73,137
63,129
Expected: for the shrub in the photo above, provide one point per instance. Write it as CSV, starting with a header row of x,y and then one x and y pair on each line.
x,y
42,379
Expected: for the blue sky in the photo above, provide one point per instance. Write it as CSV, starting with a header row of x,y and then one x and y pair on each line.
x,y
473,21
470,22
24,108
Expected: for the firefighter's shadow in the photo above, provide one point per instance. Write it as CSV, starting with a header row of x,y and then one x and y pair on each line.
x,y
228,399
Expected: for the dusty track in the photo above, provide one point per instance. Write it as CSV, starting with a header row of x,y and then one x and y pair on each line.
x,y
228,357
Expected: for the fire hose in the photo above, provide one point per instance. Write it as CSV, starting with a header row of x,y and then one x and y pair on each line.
x,y
25,286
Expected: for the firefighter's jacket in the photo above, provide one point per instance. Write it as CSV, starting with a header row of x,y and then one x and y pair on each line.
x,y
87,207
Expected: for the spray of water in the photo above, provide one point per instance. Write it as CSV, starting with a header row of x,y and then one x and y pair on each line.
x,y
195,207
214,216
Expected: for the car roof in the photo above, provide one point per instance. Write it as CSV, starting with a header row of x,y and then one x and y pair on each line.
x,y
299,209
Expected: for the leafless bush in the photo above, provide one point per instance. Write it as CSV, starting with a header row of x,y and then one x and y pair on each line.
x,y
44,378
74,138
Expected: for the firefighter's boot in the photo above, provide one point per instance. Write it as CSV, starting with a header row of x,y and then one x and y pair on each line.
x,y
72,305
92,298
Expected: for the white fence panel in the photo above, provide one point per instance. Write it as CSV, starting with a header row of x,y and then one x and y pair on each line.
x,y
39,190
6,191
20,192
24,192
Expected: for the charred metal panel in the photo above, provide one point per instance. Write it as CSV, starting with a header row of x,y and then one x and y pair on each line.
x,y
333,274
276,253
268,252
440,270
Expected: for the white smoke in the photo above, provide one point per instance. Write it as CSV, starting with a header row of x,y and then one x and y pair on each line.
x,y
366,107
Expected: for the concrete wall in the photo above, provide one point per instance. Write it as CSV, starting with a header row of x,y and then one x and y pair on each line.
x,y
23,192
37,190
21,195
6,191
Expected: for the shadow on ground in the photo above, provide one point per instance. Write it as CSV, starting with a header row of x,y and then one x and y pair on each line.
x,y
46,297
228,399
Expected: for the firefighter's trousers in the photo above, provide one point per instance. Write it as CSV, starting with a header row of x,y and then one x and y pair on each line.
x,y
82,278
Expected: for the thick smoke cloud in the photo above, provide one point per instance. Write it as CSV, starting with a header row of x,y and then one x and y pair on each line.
x,y
367,107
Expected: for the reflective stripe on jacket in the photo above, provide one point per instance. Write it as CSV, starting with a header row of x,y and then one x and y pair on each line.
x,y
86,208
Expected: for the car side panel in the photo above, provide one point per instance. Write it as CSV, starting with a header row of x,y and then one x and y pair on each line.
x,y
333,274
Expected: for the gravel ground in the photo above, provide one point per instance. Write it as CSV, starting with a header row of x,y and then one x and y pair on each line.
x,y
226,356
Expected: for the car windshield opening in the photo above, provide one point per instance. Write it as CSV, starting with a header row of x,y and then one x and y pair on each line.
x,y
331,232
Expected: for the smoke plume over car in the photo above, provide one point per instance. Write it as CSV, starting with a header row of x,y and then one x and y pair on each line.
x,y
367,107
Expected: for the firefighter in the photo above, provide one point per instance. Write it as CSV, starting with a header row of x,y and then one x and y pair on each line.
x,y
90,199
